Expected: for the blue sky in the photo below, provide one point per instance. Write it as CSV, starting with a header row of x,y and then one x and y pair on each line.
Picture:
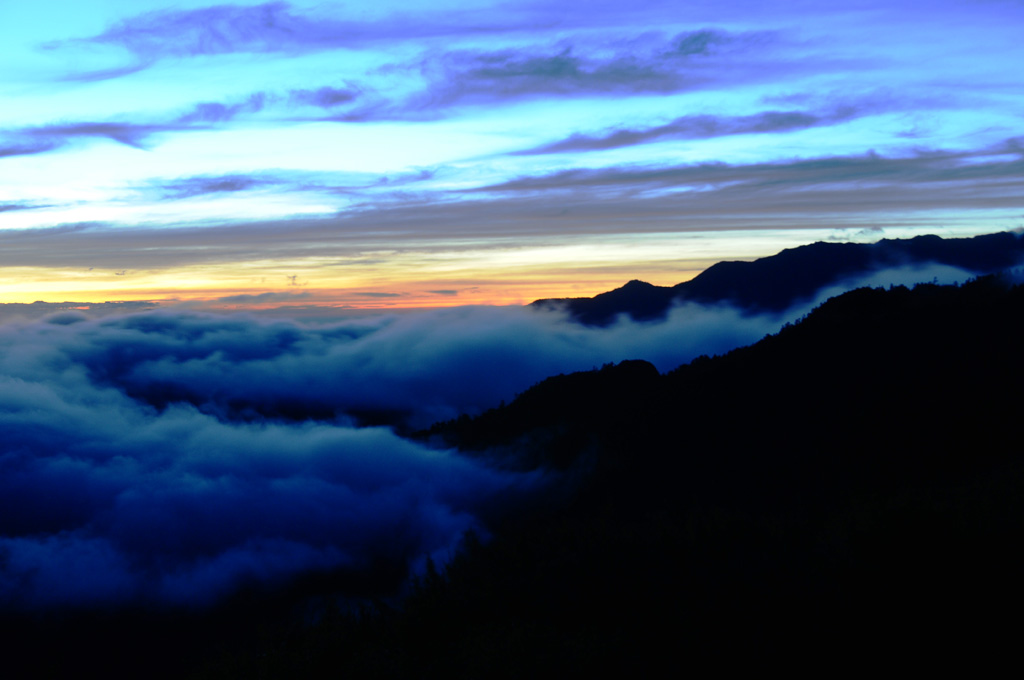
x,y
409,154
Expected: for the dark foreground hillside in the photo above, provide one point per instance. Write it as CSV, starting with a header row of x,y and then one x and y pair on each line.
x,y
848,488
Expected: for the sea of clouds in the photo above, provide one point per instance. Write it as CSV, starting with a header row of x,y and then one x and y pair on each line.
x,y
172,456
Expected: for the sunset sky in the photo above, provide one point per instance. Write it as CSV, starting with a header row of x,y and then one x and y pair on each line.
x,y
405,154
316,166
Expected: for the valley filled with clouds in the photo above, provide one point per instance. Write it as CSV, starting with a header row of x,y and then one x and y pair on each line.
x,y
172,456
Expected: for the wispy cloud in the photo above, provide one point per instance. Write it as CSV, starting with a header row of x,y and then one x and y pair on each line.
x,y
658,65
130,134
27,145
325,97
839,191
439,79
219,184
260,298
12,207
922,168
107,73
200,116
220,29
52,137
272,27
217,112
698,127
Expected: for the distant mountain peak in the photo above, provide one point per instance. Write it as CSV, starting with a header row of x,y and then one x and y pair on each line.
x,y
635,284
777,282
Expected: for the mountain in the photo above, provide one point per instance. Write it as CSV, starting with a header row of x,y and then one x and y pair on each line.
x,y
847,490
895,373
852,485
796,274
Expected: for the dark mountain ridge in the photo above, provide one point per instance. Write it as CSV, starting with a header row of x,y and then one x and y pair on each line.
x,y
946,359
793,275
848,490
851,484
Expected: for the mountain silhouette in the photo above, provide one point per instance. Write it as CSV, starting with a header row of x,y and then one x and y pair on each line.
x,y
935,355
773,284
850,489
852,484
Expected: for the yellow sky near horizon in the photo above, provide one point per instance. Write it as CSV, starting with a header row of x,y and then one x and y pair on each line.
x,y
410,278
26,285
413,277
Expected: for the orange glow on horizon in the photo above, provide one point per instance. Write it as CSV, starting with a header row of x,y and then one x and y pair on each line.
x,y
244,291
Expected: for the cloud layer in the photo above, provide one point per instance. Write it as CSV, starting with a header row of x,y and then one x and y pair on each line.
x,y
172,457
106,499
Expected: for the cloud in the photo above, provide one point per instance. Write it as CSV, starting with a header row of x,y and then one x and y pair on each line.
x,y
698,127
202,185
444,292
56,135
69,312
273,27
105,500
129,134
28,145
440,78
180,510
844,191
264,297
421,367
511,73
697,42
686,62
324,97
12,207
219,29
448,76
53,137
107,74
45,138
909,276
215,112
201,116
869,182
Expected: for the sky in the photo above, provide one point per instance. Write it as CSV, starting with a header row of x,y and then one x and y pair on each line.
x,y
388,155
